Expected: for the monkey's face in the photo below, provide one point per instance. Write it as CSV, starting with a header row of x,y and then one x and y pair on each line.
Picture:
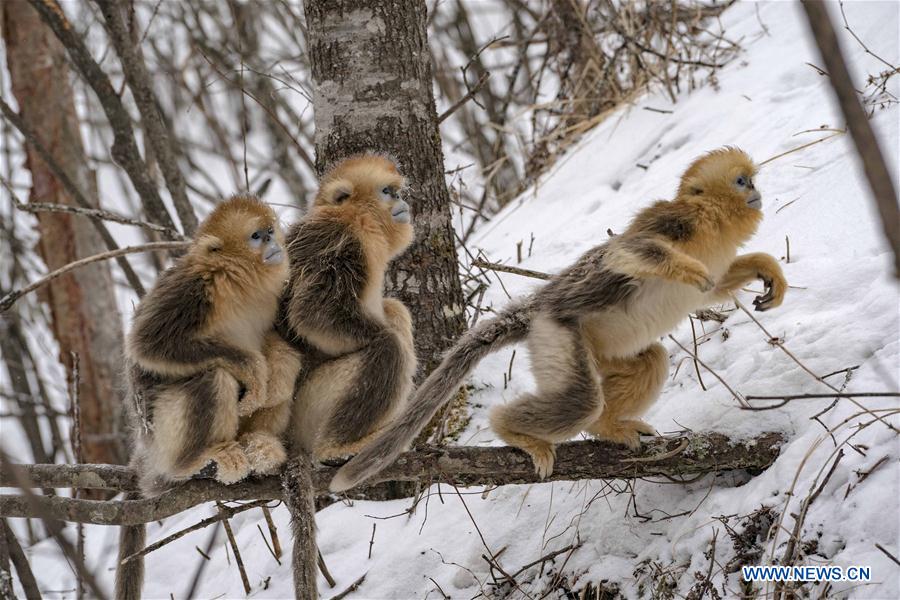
x,y
264,241
244,231
370,184
725,177
743,185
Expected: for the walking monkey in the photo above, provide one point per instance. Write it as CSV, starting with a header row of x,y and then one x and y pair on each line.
x,y
357,345
202,398
592,330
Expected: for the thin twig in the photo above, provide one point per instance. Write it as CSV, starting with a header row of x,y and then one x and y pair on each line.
x,y
234,549
323,569
483,264
351,589
8,300
223,513
455,106
273,532
737,396
780,344
94,213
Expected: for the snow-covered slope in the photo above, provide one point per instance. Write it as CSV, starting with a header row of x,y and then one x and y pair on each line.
x,y
647,538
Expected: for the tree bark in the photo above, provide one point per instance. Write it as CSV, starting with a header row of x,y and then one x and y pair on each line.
x,y
461,465
84,315
372,90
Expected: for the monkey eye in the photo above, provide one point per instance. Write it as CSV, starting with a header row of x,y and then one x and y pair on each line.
x,y
256,238
741,181
388,193
270,231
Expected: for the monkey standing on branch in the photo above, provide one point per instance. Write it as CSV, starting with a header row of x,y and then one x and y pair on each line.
x,y
357,345
592,330
202,397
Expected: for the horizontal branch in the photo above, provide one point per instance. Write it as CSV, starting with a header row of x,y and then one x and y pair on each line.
x,y
461,465
9,299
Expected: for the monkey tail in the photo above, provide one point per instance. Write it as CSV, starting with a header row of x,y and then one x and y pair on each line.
x,y
510,326
130,576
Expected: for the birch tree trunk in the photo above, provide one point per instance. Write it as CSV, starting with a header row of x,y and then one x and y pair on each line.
x,y
372,90
84,316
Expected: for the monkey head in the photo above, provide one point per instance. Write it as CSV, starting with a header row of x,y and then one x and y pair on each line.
x,y
243,232
369,185
724,176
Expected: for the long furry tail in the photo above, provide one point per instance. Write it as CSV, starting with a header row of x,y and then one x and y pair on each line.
x,y
130,576
510,326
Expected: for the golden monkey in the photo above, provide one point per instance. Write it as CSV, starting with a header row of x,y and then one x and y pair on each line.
x,y
592,330
201,401
357,345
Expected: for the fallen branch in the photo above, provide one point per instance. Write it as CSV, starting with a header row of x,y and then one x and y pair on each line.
x,y
462,465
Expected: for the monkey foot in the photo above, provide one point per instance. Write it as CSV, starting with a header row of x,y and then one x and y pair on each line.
x,y
627,432
264,452
543,455
231,465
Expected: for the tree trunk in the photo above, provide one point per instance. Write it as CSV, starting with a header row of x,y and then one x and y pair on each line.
x,y
84,316
372,90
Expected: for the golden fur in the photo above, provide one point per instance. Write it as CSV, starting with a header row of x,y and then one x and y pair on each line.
x,y
593,329
335,310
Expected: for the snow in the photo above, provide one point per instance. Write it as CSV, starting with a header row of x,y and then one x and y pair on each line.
x,y
645,536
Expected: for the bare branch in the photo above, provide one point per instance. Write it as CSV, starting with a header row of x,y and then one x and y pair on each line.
x,y
124,149
463,465
482,264
94,213
32,138
880,181
157,134
8,300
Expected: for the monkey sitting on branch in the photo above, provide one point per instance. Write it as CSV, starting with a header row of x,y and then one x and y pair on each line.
x,y
356,345
592,330
210,381
198,355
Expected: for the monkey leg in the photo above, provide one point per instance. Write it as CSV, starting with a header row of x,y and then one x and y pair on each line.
x,y
260,433
399,322
745,269
651,257
630,387
315,401
567,400
260,437
195,424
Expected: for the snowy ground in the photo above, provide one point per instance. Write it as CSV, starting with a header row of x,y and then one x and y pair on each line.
x,y
652,537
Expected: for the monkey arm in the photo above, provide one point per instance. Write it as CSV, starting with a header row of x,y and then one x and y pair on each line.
x,y
328,280
650,256
168,335
748,267
283,367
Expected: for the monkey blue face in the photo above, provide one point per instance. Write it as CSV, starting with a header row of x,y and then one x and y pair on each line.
x,y
400,212
265,242
744,184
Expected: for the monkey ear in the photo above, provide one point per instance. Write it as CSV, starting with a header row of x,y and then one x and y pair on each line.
x,y
336,192
210,243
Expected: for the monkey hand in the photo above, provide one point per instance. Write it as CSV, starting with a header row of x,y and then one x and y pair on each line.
x,y
699,278
256,393
776,286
